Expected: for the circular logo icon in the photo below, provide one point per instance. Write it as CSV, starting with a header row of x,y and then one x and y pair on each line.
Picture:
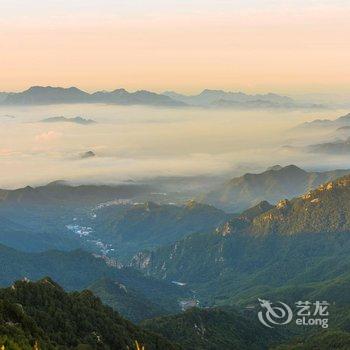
x,y
274,314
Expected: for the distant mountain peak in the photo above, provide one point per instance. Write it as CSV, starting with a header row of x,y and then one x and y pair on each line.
x,y
292,167
88,154
41,88
58,183
240,193
118,91
278,169
48,281
211,91
75,120
344,117
274,167
323,123
287,217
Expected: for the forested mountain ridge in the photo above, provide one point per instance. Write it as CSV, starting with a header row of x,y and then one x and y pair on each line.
x,y
130,303
61,193
305,239
214,329
43,313
323,210
133,227
77,270
271,185
238,327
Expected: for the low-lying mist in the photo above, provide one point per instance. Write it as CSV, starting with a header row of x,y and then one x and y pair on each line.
x,y
133,143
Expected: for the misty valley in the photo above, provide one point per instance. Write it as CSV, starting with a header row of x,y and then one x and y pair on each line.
x,y
174,175
139,228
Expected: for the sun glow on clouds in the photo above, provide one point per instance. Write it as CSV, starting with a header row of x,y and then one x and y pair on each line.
x,y
257,46
4,152
47,136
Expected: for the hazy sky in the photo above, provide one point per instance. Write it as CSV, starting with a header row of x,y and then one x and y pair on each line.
x,y
186,45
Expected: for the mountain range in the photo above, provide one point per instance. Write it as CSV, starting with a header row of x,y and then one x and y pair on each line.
x,y
75,120
338,147
271,185
326,123
42,315
302,240
116,220
335,142
233,328
228,99
294,249
40,95
78,270
61,192
35,219
97,218
148,225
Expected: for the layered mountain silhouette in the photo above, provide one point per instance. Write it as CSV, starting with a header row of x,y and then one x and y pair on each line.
x,y
39,95
141,97
326,123
77,270
339,147
61,192
294,249
46,95
211,96
227,99
54,217
271,185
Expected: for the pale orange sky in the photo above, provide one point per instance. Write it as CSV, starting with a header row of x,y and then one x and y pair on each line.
x,y
176,45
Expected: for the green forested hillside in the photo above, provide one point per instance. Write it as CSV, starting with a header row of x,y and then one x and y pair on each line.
x,y
131,304
218,328
130,228
224,327
303,240
324,210
77,270
334,340
296,250
42,312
